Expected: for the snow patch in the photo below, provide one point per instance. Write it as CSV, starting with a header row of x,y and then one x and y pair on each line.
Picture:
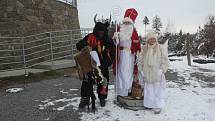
x,y
14,90
58,84
62,91
73,89
47,119
68,102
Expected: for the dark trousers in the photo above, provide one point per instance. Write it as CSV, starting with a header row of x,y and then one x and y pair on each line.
x,y
87,86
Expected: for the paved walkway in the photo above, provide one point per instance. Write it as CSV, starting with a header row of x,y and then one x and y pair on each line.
x,y
46,66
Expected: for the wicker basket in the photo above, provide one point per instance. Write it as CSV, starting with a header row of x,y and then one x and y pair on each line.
x,y
136,91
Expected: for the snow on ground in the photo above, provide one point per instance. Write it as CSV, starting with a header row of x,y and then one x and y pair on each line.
x,y
180,106
182,66
183,103
62,91
53,103
68,102
67,92
73,89
14,90
191,103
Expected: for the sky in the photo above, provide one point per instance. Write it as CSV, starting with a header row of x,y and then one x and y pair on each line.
x,y
187,15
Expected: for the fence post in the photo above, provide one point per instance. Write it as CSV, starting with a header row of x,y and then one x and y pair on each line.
x,y
51,47
71,39
73,3
188,39
23,54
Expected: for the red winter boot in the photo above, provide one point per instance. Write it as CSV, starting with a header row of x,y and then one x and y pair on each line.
x,y
103,90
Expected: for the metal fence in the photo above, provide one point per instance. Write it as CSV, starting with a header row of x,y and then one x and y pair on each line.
x,y
26,52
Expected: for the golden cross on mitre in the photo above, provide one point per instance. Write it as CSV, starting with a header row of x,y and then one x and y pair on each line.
x,y
131,13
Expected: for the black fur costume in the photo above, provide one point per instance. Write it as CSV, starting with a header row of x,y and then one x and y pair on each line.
x,y
105,49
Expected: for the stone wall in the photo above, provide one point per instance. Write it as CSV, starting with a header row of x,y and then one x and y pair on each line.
x,y
26,17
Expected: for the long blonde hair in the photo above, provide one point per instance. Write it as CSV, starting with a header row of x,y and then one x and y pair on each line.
x,y
152,61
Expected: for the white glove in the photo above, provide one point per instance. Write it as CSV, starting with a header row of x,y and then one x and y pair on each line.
x,y
116,38
115,35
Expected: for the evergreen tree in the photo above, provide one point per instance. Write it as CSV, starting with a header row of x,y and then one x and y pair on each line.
x,y
156,23
180,42
207,37
145,22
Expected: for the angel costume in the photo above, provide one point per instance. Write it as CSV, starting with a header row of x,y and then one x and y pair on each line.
x,y
153,63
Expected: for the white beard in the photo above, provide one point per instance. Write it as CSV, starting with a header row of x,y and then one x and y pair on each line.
x,y
152,55
126,32
152,61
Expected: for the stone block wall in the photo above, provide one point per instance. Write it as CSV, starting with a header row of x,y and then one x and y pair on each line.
x,y
27,17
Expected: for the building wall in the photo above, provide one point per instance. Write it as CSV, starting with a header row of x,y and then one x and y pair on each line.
x,y
26,17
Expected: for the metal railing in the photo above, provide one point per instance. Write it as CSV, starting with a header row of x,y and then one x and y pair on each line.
x,y
26,52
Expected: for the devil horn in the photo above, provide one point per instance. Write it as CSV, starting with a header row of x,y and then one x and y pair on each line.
x,y
95,18
110,19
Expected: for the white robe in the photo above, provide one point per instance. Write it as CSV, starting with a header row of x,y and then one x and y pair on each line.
x,y
125,69
154,94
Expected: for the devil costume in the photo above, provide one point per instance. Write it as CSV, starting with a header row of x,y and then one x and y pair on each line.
x,y
104,48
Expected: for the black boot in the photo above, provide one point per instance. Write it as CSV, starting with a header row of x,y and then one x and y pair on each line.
x,y
85,101
93,105
102,102
93,98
